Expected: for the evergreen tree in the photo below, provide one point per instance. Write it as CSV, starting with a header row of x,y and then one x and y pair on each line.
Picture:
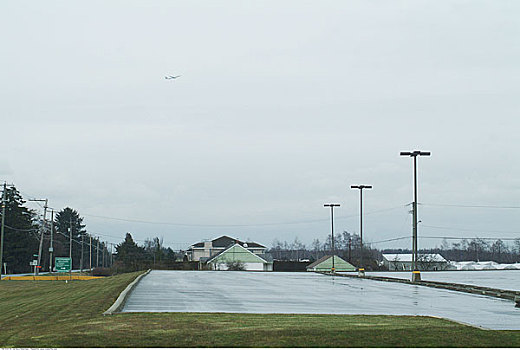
x,y
170,254
66,218
21,237
129,255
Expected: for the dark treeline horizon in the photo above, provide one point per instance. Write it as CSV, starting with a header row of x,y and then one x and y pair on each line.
x,y
23,228
348,247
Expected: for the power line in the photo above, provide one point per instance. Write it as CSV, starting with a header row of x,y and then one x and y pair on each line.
x,y
66,236
20,229
140,240
484,238
381,210
447,237
230,225
203,225
392,239
240,225
467,229
470,206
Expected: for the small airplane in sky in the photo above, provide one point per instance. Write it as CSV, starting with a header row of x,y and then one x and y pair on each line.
x,y
171,77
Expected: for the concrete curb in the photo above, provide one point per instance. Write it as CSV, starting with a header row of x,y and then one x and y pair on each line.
x,y
118,304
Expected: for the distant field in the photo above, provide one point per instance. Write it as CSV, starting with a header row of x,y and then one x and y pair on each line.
x,y
59,314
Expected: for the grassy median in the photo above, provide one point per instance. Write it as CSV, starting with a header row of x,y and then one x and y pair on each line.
x,y
59,314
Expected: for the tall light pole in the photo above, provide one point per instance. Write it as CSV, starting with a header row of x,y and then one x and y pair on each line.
x,y
416,275
332,231
361,269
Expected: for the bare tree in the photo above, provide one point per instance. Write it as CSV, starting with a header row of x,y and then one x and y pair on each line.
x,y
426,262
497,249
517,245
395,261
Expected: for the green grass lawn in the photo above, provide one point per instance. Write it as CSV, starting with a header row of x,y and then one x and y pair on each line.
x,y
59,314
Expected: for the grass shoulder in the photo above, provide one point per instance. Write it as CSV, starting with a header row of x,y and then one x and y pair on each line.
x,y
59,314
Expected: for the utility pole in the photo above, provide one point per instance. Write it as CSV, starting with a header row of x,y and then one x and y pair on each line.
x,y
361,270
111,254
97,253
350,250
70,245
416,275
332,232
4,204
90,248
42,231
81,261
103,254
51,247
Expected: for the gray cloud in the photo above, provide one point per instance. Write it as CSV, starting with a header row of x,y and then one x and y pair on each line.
x,y
280,107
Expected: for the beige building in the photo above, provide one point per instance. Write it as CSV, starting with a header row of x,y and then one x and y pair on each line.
x,y
208,249
425,262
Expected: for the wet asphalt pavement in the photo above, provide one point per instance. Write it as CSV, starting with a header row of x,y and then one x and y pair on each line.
x,y
280,292
500,279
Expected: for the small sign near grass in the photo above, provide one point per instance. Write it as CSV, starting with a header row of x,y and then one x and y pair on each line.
x,y
63,264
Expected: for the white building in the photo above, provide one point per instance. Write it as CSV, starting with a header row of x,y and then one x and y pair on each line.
x,y
207,249
425,262
238,257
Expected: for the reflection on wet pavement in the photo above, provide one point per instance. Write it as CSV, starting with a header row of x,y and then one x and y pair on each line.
x,y
279,292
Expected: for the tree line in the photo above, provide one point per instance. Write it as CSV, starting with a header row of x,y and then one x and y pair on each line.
x,y
348,247
130,256
24,230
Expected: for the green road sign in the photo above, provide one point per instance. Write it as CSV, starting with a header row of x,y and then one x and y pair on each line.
x,y
63,264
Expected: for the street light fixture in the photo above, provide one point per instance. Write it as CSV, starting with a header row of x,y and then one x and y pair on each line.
x,y
416,275
332,231
361,269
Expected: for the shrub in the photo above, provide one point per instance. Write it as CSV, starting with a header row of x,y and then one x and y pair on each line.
x,y
102,271
235,266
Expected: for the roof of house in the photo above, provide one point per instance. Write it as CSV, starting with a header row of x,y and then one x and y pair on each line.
x,y
326,263
408,257
319,261
264,257
267,257
226,241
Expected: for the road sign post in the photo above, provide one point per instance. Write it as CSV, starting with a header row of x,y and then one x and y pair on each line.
x,y
63,264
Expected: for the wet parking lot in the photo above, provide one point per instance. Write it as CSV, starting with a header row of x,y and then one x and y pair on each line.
x,y
278,292
501,279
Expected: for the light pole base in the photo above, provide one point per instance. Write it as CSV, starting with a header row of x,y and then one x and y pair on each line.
x,y
416,276
361,272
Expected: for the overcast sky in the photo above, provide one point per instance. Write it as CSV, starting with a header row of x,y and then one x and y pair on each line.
x,y
280,107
